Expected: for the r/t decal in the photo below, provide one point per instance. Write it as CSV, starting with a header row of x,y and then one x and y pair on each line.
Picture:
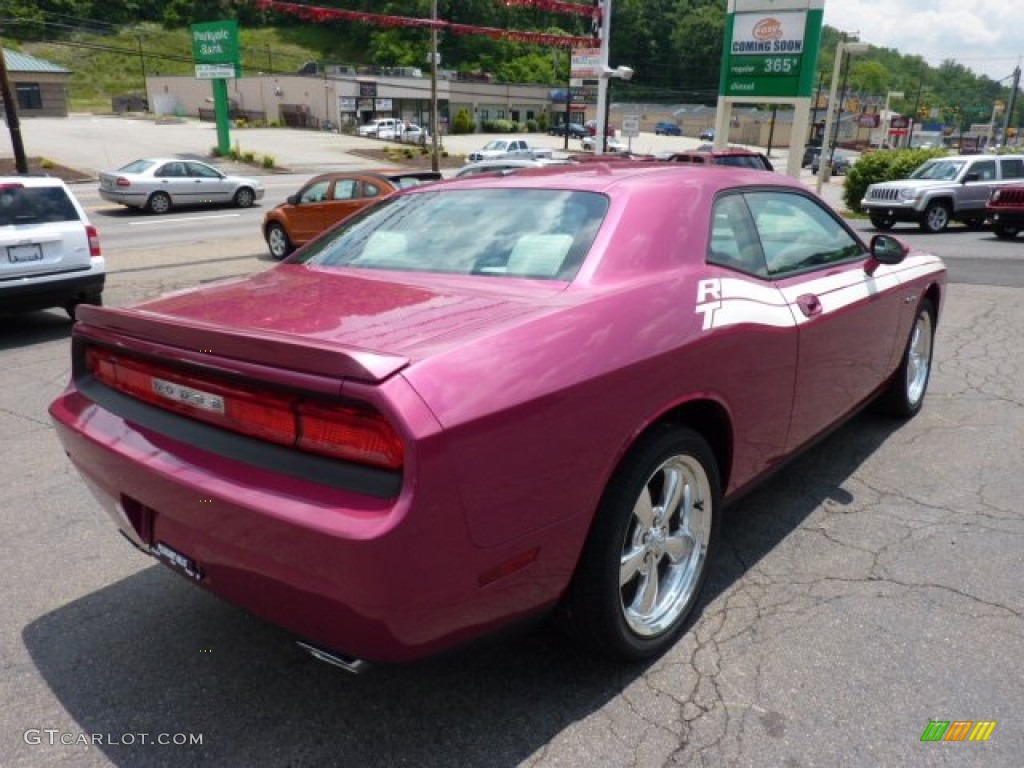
x,y
709,298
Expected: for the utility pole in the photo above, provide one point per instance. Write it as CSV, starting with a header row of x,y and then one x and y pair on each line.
x,y
814,111
913,118
11,108
1010,106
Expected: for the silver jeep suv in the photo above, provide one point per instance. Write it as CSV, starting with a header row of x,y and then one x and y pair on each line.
x,y
49,252
942,189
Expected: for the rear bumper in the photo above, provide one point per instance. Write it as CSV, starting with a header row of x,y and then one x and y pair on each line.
x,y
58,290
381,579
134,199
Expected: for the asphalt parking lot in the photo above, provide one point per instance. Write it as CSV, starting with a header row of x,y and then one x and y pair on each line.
x,y
871,588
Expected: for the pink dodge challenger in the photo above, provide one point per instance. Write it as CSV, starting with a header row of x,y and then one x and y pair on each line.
x,y
484,400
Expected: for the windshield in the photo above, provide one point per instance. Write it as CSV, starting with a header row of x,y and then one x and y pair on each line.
x,y
495,145
939,170
541,234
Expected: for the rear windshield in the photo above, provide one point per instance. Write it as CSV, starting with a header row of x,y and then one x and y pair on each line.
x,y
742,161
541,234
35,205
138,166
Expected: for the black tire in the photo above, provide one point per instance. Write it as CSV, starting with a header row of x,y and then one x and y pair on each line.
x,y
159,202
278,242
882,222
936,217
244,197
633,537
72,306
906,390
1004,231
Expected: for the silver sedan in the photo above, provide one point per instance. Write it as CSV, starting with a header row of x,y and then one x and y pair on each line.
x,y
158,184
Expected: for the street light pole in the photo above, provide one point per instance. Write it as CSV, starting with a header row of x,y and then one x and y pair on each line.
x,y
602,82
824,161
435,157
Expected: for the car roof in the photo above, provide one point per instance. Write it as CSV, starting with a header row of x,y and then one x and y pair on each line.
x,y
31,181
168,160
606,177
972,157
729,151
387,175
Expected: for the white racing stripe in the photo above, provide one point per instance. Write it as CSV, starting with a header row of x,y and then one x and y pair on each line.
x,y
731,301
181,220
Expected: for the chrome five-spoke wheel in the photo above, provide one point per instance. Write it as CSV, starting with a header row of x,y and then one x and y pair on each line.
x,y
905,393
666,546
646,557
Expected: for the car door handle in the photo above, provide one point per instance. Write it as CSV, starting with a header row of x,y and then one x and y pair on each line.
x,y
809,304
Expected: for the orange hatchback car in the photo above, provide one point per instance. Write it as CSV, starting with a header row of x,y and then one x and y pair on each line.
x,y
328,198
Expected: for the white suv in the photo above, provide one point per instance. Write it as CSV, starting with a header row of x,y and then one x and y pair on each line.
x,y
49,252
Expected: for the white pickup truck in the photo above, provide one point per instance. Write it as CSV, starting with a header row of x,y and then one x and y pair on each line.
x,y
502,148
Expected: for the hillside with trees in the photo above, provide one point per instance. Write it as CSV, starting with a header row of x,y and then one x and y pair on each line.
x,y
674,46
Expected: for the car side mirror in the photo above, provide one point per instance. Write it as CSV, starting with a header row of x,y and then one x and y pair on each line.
x,y
885,249
292,199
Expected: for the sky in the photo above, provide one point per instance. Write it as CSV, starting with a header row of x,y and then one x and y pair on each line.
x,y
985,36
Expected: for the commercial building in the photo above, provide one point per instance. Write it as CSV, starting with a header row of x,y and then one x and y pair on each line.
x,y
41,88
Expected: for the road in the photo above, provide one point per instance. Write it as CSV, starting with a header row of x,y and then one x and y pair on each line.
x,y
870,588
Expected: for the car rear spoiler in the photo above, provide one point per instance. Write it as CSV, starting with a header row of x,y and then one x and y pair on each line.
x,y
270,348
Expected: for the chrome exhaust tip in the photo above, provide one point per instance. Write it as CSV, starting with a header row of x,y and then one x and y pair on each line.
x,y
348,663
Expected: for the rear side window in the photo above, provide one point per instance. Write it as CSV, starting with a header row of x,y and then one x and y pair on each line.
x,y
1013,167
35,205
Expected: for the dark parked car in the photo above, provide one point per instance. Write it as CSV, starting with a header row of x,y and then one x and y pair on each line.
x,y
736,158
490,399
667,129
576,131
841,163
591,126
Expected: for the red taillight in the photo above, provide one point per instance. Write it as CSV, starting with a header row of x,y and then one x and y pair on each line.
x,y
317,427
123,182
94,241
349,434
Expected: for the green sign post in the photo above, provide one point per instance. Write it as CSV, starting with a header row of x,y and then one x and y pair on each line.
x,y
215,53
769,55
